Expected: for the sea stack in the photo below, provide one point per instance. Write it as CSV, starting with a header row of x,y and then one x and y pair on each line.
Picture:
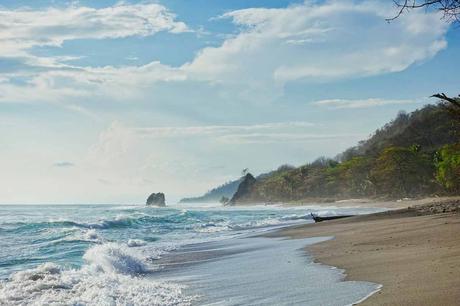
x,y
157,199
245,190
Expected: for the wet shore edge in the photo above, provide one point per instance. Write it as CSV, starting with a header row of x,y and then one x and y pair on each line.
x,y
412,250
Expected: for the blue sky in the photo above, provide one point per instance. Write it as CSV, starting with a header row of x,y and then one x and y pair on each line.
x,y
107,101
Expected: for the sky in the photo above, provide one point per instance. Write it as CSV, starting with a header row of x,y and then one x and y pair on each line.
x,y
109,101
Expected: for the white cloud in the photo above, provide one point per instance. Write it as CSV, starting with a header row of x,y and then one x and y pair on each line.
x,y
299,137
52,79
312,41
70,83
215,130
360,103
21,29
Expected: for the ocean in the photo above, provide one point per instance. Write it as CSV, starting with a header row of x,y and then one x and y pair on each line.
x,y
194,254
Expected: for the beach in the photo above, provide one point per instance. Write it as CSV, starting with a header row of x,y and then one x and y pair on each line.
x,y
413,252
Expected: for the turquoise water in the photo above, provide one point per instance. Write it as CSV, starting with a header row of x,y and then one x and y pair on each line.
x,y
112,254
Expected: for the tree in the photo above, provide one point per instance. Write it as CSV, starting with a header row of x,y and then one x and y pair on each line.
x,y
402,171
448,167
355,176
453,104
451,11
450,8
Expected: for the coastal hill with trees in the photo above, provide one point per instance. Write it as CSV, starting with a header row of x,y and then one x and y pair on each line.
x,y
416,154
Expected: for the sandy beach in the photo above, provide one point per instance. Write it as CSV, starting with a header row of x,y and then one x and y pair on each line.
x,y
414,252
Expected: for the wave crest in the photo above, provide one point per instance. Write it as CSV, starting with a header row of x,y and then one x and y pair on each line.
x,y
115,258
110,277
49,284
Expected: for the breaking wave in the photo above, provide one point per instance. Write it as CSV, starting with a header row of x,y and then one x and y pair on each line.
x,y
112,275
104,255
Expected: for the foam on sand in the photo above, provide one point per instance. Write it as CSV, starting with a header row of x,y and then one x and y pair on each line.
x,y
264,271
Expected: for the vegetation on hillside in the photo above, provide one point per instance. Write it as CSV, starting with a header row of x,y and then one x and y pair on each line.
x,y
416,154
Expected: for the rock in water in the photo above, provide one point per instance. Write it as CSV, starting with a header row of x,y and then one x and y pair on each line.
x,y
157,199
244,192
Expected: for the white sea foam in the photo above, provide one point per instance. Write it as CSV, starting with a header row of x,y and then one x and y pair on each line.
x,y
115,258
256,224
113,275
158,250
295,217
91,234
50,285
212,227
136,243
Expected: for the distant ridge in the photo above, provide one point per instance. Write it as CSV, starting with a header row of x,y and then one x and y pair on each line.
x,y
214,195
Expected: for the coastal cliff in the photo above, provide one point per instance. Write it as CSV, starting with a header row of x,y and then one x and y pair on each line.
x,y
245,191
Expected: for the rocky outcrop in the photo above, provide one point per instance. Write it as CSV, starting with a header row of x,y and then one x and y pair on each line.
x,y
157,199
245,191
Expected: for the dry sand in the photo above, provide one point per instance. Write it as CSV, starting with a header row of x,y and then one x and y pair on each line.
x,y
414,253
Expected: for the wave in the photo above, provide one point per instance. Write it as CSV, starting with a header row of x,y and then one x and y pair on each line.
x,y
269,221
256,224
136,243
120,221
115,258
183,219
113,275
295,217
212,227
91,235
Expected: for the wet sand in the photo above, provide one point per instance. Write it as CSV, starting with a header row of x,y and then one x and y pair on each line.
x,y
414,253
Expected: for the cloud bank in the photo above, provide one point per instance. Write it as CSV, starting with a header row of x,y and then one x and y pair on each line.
x,y
311,42
319,42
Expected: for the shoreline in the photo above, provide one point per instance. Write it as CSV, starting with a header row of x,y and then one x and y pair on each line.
x,y
413,252
356,202
375,203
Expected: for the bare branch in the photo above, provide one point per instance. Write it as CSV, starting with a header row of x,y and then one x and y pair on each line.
x,y
450,8
453,101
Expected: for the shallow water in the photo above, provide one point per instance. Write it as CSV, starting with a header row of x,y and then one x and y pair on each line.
x,y
187,254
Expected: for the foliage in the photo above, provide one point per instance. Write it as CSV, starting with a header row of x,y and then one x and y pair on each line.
x,y
430,128
405,158
448,167
402,171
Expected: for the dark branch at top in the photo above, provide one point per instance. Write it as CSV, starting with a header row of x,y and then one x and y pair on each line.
x,y
450,8
451,103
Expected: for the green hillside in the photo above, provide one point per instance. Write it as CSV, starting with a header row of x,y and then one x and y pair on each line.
x,y
416,154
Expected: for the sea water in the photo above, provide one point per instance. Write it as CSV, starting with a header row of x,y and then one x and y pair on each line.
x,y
182,255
